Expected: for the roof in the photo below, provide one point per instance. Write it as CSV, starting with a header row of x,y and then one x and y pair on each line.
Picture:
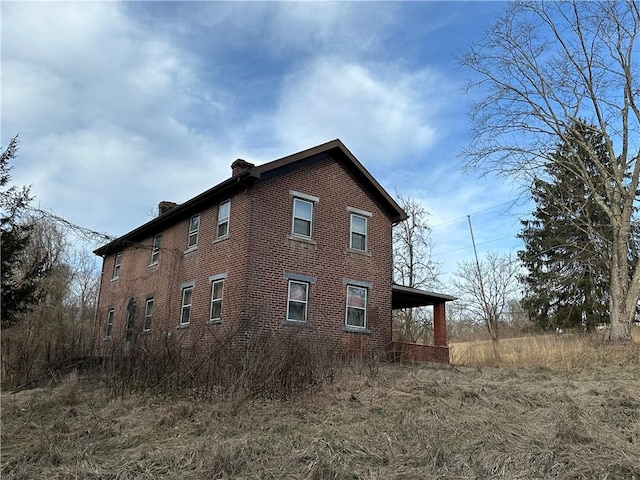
x,y
407,297
334,149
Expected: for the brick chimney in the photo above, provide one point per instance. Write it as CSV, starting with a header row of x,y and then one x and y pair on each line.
x,y
240,166
164,207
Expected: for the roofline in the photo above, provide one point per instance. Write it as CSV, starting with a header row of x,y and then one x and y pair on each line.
x,y
246,178
394,211
420,297
184,209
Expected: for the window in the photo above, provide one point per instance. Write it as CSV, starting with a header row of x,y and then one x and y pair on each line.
x,y
302,217
356,307
148,314
358,232
297,301
185,314
223,219
109,329
116,265
155,249
194,226
131,319
216,301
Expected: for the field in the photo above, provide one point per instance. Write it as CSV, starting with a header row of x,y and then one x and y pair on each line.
x,y
576,418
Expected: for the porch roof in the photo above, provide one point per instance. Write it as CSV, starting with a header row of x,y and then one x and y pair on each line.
x,y
407,297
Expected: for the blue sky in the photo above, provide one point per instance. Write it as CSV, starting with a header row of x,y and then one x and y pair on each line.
x,y
122,105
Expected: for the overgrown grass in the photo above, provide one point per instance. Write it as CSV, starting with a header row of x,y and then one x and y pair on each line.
x,y
566,350
392,422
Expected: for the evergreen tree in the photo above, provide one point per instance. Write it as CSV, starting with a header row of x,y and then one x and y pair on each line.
x,y
568,241
20,275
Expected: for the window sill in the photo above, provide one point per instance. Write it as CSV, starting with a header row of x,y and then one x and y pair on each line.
x,y
352,329
308,240
296,323
115,279
154,264
217,321
221,239
184,325
359,252
191,249
146,332
104,339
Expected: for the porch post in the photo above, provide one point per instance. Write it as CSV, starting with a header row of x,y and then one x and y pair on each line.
x,y
439,325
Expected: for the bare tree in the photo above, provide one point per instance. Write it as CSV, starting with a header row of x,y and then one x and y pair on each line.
x,y
486,289
412,264
545,67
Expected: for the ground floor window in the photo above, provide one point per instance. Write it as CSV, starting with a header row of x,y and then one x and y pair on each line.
x,y
109,329
297,301
148,314
185,314
356,307
216,301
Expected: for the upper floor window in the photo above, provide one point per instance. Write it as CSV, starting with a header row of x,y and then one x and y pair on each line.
x,y
194,226
148,315
185,313
109,328
356,307
302,218
358,232
223,219
297,301
116,265
216,300
155,249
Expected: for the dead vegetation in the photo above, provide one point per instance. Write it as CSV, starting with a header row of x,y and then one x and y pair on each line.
x,y
381,421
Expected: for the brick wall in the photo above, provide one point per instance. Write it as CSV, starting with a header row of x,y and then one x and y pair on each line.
x,y
255,256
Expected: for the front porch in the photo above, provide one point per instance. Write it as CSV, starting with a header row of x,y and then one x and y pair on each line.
x,y
406,297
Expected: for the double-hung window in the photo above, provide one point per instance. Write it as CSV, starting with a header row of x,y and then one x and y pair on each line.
x,y
155,249
224,211
302,224
194,226
356,307
109,328
116,265
216,300
185,313
358,232
297,301
148,314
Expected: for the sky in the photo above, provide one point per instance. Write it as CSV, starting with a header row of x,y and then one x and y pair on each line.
x,y
120,105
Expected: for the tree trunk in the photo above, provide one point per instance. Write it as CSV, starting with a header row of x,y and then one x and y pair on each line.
x,y
620,313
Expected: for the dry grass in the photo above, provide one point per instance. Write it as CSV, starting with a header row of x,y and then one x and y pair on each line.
x,y
389,422
568,350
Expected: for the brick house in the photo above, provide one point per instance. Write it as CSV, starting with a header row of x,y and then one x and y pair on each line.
x,y
303,242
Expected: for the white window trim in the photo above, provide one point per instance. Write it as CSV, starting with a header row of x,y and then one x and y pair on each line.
x,y
146,315
304,196
306,301
223,220
193,233
108,331
357,211
213,283
366,303
117,262
185,287
366,232
293,219
155,250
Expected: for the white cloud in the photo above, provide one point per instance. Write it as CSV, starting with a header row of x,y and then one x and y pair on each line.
x,y
381,112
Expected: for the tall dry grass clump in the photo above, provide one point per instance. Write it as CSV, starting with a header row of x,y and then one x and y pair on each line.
x,y
262,365
566,350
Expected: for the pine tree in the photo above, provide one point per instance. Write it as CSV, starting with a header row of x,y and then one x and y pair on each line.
x,y
20,275
568,241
